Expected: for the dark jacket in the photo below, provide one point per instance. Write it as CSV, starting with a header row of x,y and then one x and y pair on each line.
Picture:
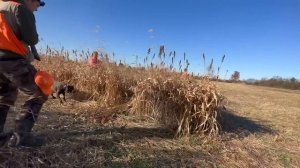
x,y
22,22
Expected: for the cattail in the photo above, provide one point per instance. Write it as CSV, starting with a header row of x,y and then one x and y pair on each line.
x,y
203,56
187,65
211,65
149,51
62,50
223,58
136,60
153,56
161,50
220,65
180,65
106,58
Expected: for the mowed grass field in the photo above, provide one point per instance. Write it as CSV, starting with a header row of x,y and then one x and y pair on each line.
x,y
272,118
260,128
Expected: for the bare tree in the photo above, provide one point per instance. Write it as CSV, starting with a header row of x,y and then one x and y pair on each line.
x,y
235,76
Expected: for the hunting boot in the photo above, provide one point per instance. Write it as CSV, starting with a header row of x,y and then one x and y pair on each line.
x,y
25,139
24,123
3,114
4,137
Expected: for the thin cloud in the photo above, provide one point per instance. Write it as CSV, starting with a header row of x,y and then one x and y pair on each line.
x,y
96,29
151,30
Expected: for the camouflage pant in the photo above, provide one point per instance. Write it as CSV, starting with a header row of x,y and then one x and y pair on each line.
x,y
19,75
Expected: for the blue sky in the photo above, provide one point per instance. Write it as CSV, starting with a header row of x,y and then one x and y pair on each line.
x,y
260,38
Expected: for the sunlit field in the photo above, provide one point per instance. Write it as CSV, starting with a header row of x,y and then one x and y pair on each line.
x,y
156,115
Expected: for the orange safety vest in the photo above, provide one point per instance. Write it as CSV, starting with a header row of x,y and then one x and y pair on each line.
x,y
93,61
8,39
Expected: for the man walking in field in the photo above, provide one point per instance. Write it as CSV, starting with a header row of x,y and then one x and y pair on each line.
x,y
17,34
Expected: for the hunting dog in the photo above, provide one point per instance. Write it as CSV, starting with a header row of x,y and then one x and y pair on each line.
x,y
60,88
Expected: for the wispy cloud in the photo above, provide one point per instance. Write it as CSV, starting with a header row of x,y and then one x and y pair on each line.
x,y
96,29
151,30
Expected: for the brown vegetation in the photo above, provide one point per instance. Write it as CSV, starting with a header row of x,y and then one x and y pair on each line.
x,y
187,107
99,127
183,105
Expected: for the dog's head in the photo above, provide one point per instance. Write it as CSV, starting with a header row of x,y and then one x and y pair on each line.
x,y
69,88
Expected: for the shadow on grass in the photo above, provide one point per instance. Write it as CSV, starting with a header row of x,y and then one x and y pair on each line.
x,y
243,126
133,133
88,145
79,95
72,143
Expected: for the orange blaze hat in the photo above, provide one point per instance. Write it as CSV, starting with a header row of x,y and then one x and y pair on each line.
x,y
44,81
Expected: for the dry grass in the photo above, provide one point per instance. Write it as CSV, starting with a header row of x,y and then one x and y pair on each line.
x,y
179,104
259,129
274,115
185,106
98,127
108,84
